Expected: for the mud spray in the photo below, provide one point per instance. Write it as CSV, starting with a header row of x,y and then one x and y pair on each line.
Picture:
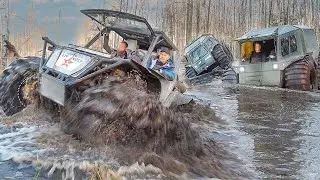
x,y
119,130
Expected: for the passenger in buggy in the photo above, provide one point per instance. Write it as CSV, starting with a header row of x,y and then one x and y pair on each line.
x,y
163,63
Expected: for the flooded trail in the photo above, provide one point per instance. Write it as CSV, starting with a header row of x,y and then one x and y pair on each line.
x,y
280,123
278,129
247,133
134,137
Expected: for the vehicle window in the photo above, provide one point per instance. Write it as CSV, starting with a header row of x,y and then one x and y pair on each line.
x,y
293,44
197,54
209,44
246,49
285,46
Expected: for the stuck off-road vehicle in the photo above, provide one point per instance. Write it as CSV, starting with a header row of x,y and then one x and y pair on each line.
x,y
206,55
70,70
290,58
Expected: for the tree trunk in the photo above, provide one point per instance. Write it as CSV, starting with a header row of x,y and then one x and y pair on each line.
x,y
208,16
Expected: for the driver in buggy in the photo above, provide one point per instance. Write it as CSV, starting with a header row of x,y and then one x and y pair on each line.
x,y
122,51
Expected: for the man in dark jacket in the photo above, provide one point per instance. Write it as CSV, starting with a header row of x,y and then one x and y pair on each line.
x,y
257,55
163,63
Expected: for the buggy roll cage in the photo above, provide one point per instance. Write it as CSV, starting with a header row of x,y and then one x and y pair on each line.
x,y
143,34
154,39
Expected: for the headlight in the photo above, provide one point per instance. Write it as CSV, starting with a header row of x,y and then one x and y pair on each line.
x,y
275,66
241,69
272,56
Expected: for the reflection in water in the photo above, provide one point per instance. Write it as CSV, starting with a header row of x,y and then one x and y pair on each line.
x,y
276,130
310,141
223,100
274,119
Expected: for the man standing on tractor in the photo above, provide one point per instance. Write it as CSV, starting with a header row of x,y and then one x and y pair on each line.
x,y
163,63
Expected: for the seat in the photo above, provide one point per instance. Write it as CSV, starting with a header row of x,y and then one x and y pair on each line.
x,y
135,53
132,44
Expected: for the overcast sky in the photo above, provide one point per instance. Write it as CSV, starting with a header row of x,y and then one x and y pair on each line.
x,y
46,13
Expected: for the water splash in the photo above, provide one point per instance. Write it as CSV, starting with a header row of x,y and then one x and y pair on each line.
x,y
127,134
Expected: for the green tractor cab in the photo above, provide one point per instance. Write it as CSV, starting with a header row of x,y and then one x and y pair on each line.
x,y
287,57
205,56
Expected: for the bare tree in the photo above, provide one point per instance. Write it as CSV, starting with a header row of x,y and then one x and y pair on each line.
x,y
184,20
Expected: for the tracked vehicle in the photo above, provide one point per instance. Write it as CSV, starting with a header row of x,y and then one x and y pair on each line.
x,y
206,55
291,58
70,70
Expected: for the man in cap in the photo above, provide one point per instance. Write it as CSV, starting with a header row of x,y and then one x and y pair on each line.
x,y
163,63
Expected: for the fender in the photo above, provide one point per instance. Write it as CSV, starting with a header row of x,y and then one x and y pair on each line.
x,y
296,60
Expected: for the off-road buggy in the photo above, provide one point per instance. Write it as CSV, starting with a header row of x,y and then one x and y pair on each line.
x,y
69,70
205,56
291,58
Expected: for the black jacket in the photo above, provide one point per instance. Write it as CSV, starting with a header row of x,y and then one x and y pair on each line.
x,y
257,57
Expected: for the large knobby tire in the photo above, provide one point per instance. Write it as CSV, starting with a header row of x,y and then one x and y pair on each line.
x,y
12,82
228,52
223,56
300,75
190,72
229,76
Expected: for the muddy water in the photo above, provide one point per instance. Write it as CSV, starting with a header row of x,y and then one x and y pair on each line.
x,y
120,131
267,133
279,129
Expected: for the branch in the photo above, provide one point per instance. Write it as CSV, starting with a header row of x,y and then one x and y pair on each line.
x,y
11,48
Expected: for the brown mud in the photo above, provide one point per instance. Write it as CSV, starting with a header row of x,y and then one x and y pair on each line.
x,y
123,115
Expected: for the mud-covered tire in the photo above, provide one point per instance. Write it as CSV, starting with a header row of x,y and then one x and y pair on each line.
x,y
228,52
190,72
298,76
223,58
229,76
12,80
